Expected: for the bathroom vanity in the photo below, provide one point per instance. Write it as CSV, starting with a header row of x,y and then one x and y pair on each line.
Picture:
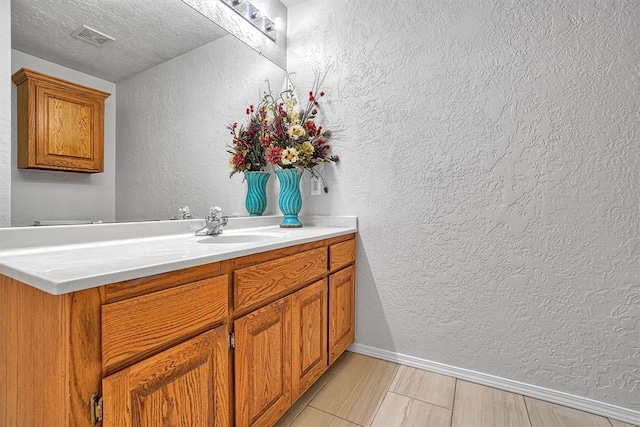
x,y
172,329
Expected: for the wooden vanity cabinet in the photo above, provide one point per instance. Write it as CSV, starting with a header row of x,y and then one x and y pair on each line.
x,y
60,124
159,350
300,320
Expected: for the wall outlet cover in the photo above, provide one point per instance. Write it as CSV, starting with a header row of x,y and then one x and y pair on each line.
x,y
316,189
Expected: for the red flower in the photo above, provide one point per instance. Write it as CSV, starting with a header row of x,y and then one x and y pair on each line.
x,y
239,159
266,140
310,127
274,155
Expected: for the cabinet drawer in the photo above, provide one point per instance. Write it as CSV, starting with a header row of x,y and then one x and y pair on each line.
x,y
342,253
260,282
136,327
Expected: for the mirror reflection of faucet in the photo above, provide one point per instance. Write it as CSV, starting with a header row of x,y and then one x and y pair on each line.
x,y
213,222
184,213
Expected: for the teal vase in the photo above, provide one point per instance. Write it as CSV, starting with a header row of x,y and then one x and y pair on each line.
x,y
290,199
256,201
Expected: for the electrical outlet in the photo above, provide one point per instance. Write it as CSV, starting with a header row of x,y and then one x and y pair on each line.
x,y
315,186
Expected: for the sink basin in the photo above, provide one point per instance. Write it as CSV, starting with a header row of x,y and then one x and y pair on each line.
x,y
250,237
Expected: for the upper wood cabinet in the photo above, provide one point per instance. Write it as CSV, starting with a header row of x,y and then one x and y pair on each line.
x,y
60,124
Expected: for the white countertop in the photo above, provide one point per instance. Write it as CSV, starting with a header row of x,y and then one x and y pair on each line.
x,y
63,259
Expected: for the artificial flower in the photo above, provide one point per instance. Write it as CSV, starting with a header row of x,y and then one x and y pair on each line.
x,y
289,156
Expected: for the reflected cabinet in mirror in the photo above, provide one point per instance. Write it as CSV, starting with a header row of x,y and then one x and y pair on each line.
x,y
176,80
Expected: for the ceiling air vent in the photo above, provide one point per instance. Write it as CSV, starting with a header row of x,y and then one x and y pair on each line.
x,y
92,36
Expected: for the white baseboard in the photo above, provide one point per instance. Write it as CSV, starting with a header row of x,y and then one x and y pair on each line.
x,y
553,396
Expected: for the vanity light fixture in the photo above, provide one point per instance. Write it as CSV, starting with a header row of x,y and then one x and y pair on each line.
x,y
252,14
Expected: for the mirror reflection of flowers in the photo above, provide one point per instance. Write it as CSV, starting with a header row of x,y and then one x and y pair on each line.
x,y
250,143
296,139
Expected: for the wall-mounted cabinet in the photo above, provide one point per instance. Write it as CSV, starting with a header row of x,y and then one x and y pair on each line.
x,y
60,124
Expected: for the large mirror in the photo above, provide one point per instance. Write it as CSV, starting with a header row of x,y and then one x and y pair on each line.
x,y
176,81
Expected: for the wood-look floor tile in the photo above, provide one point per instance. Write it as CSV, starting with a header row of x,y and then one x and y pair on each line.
x,y
312,417
338,364
402,411
479,406
355,391
424,385
549,414
616,423
288,418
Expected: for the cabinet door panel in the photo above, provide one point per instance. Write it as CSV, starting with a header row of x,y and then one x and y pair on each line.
x,y
263,364
341,311
309,336
186,385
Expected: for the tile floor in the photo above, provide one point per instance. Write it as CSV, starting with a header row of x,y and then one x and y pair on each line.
x,y
362,391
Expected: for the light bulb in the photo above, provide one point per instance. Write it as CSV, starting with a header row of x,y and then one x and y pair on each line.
x,y
279,24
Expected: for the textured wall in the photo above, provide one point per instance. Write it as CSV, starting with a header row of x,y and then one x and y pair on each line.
x,y
172,134
490,150
42,194
5,113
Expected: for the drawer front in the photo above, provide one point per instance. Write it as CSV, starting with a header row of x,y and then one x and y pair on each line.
x,y
342,254
135,327
260,282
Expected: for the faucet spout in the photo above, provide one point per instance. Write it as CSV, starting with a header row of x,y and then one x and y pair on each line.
x,y
213,223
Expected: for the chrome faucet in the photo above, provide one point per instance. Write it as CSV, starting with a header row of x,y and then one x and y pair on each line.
x,y
184,213
213,223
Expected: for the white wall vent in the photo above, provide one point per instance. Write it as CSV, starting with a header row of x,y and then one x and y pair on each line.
x,y
92,36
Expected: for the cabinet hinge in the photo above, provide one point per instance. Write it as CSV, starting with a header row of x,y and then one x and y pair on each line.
x,y
232,340
96,409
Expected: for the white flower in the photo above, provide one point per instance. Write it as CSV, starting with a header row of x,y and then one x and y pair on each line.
x,y
296,132
289,156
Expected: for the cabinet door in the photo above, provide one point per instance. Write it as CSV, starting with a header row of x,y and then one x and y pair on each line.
x,y
341,311
309,336
186,385
263,364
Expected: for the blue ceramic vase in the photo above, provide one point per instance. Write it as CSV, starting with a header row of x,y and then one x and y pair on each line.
x,y
290,199
256,201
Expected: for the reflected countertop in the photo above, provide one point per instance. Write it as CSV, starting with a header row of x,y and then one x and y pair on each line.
x,y
63,259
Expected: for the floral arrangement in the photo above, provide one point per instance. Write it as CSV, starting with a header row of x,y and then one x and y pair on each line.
x,y
250,143
282,134
296,139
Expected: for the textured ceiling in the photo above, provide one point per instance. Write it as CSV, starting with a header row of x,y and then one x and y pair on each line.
x,y
146,33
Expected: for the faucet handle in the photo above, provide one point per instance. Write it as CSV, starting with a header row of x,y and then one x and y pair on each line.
x,y
215,213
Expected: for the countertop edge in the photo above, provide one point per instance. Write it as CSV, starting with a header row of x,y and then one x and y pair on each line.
x,y
87,282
